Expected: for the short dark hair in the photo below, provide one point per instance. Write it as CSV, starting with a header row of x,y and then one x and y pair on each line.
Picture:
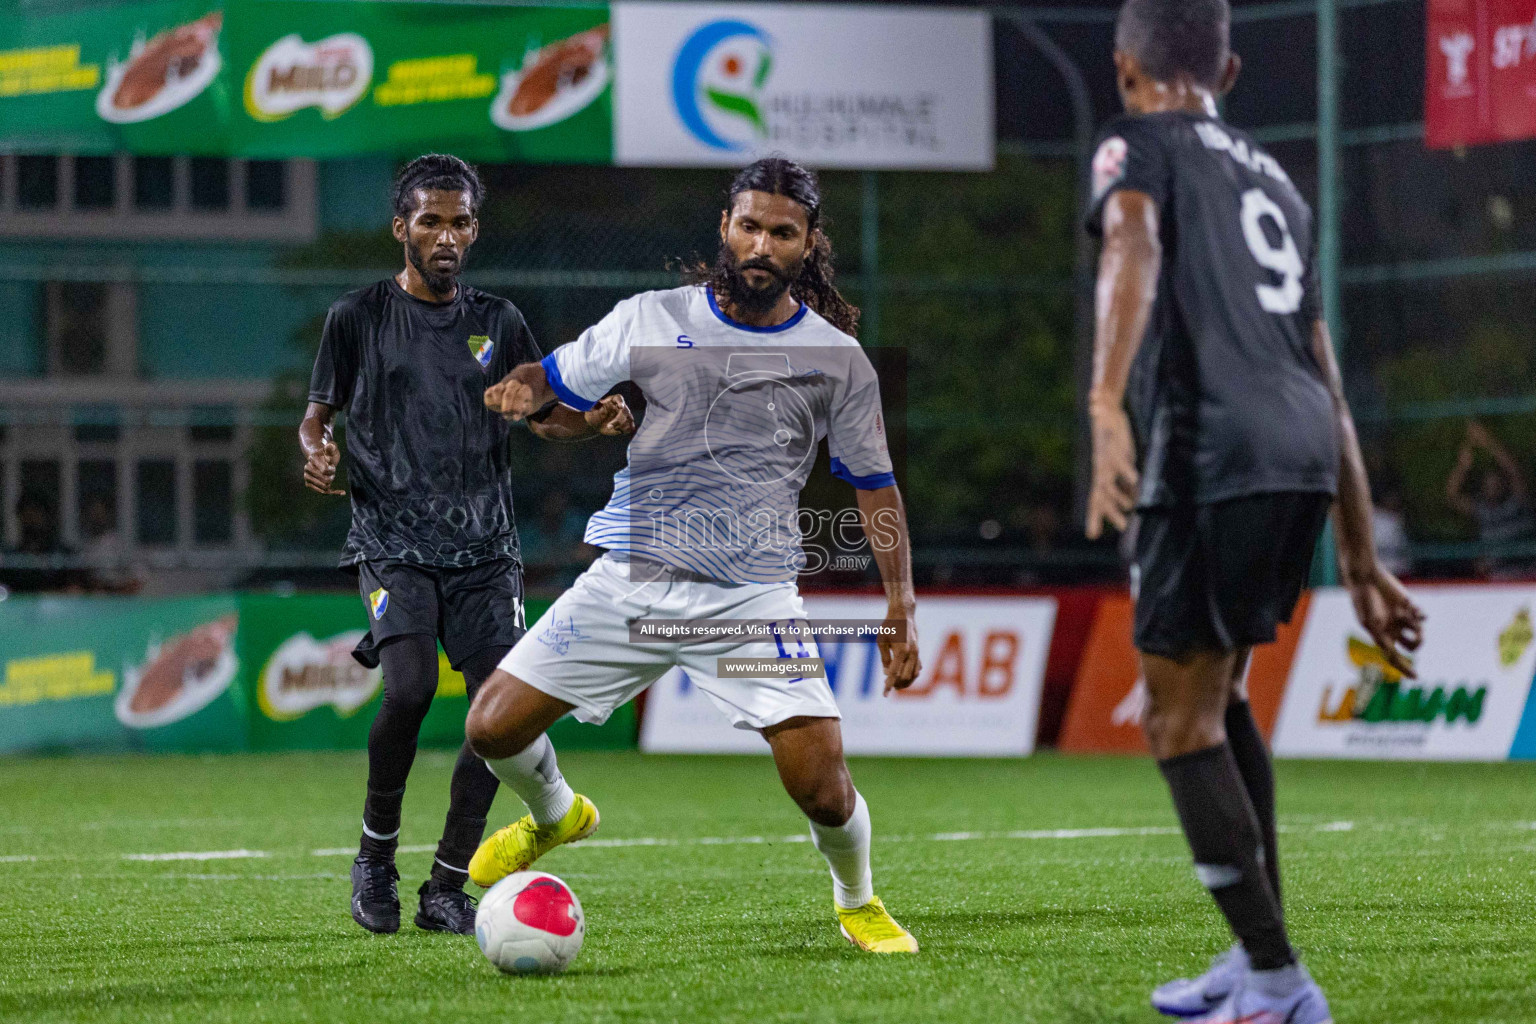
x,y
436,172
1170,37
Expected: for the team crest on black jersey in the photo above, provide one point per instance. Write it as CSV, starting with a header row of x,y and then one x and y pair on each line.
x,y
480,346
1108,164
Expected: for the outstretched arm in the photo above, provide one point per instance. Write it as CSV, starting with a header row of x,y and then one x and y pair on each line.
x,y
609,417
1456,483
884,518
1382,606
1479,434
526,390
1128,272
321,456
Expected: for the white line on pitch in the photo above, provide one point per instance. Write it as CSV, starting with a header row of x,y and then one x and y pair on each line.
x,y
799,837
198,855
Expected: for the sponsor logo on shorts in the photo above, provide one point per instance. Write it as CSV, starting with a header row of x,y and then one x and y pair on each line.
x,y
560,634
480,346
379,602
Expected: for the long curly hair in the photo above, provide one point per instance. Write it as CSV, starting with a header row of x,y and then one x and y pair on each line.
x,y
814,287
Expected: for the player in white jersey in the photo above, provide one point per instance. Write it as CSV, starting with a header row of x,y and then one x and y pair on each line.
x,y
743,373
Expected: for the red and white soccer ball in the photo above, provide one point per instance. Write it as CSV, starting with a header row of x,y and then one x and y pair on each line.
x,y
530,923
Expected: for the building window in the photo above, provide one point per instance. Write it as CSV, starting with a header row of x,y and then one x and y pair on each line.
x,y
77,327
95,182
154,182
266,184
96,497
156,486
37,507
213,488
210,183
37,182
157,197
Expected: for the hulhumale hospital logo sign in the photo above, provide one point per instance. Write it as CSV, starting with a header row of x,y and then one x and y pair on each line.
x,y
718,81
833,85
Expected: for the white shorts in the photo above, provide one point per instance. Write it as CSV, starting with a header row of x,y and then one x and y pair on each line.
x,y
580,651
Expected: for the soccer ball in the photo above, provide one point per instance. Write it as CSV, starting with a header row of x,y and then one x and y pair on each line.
x,y
530,923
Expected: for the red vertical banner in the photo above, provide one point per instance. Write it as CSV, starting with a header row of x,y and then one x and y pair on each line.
x,y
1480,72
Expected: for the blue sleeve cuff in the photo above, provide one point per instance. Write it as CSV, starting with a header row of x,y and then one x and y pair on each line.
x,y
873,482
565,394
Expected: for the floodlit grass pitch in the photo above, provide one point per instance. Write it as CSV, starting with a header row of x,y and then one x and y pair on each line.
x,y
1420,908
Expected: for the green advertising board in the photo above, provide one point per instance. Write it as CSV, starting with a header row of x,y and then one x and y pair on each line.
x,y
234,672
115,674
310,78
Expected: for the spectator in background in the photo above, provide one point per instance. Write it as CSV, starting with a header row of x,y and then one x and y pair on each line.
x,y
107,570
37,521
1500,506
1391,534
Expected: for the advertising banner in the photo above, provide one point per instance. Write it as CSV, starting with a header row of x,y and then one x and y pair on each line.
x,y
233,672
1480,80
107,674
1109,697
978,693
142,78
317,78
320,78
1474,677
834,86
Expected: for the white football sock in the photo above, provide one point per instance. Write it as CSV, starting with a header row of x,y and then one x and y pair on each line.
x,y
534,776
846,848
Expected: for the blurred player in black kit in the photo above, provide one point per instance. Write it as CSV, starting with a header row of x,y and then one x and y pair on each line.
x,y
433,541
1209,328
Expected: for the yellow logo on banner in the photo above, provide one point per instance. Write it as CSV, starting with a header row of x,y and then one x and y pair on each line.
x,y
1515,638
54,677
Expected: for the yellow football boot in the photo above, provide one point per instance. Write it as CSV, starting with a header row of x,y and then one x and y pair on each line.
x,y
517,846
873,929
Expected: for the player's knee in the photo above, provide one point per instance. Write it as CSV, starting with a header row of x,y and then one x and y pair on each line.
x,y
1172,730
492,735
828,801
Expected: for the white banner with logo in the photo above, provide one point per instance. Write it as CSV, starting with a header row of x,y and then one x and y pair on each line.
x,y
832,86
978,693
1474,674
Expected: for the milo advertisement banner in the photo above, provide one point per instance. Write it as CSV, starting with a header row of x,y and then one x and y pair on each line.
x,y
319,79
235,672
314,78
144,77
110,674
1473,673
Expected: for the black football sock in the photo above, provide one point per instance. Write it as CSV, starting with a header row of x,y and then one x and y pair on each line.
x,y
471,791
461,836
1253,763
381,823
410,680
1223,834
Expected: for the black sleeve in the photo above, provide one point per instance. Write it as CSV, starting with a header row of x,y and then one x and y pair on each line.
x,y
336,364
1133,154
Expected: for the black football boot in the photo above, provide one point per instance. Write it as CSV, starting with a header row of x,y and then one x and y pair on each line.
x,y
445,909
375,899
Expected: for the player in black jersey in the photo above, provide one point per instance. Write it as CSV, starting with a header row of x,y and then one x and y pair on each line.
x,y
1209,329
432,542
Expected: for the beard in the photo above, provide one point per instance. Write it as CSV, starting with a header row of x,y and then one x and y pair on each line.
x,y
729,277
440,282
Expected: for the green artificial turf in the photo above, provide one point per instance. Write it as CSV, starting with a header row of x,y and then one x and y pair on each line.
x,y
1411,891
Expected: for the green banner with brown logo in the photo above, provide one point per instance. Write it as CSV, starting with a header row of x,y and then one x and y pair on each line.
x,y
233,672
314,78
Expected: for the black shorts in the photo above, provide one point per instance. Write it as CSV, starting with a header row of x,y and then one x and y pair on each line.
x,y
1223,576
468,609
